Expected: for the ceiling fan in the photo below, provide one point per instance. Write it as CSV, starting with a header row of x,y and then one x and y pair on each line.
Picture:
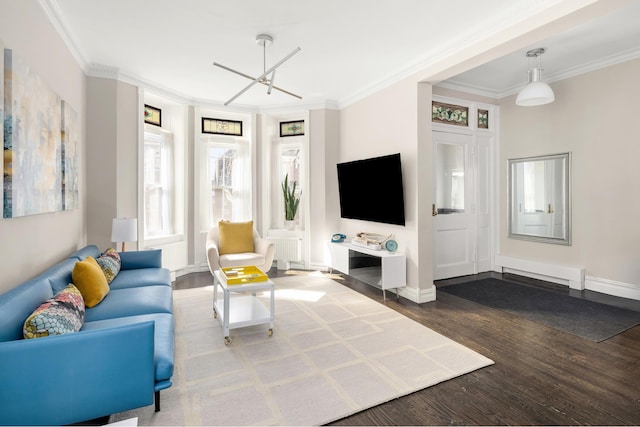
x,y
263,40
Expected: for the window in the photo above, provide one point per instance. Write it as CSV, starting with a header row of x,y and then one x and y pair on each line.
x,y
222,127
226,189
289,158
159,192
293,128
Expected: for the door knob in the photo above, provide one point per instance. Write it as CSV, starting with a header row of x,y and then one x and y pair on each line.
x,y
549,209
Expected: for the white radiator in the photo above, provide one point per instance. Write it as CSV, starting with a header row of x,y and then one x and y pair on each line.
x,y
561,274
287,249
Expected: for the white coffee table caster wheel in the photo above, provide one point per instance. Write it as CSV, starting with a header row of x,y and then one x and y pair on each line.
x,y
270,332
227,340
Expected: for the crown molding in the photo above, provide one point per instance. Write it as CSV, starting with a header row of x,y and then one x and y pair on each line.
x,y
441,54
54,13
614,59
608,61
102,71
467,88
319,104
457,45
114,73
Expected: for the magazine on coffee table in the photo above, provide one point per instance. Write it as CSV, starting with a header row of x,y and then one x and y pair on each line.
x,y
243,275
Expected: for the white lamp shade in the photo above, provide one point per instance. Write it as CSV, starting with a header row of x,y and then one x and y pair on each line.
x,y
535,93
124,230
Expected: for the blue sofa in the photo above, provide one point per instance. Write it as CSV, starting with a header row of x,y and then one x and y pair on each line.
x,y
121,358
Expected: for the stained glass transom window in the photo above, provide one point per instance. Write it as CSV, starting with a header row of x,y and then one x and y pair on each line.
x,y
294,128
449,114
152,115
222,127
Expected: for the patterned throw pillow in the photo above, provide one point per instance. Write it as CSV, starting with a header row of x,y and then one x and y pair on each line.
x,y
109,262
62,314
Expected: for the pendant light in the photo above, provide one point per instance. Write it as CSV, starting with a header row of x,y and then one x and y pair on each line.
x,y
536,92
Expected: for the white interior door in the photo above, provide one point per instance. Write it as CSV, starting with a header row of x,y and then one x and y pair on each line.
x,y
462,207
454,207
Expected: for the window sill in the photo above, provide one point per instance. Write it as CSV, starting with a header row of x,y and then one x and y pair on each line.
x,y
163,240
284,233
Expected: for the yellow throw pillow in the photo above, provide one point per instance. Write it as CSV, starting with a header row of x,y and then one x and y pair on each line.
x,y
91,281
235,237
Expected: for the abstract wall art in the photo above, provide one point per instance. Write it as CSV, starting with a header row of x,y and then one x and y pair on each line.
x,y
6,155
32,176
70,137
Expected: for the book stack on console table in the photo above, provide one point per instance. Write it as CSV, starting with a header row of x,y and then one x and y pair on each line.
x,y
365,244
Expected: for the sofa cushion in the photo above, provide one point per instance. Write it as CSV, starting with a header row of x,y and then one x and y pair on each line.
x,y
82,253
164,343
149,258
59,275
18,303
62,314
90,280
141,277
132,302
109,262
235,237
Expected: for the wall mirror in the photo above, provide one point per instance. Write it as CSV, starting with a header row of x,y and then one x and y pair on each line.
x,y
540,198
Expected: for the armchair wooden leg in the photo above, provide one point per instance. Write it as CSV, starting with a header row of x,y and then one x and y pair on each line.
x,y
157,399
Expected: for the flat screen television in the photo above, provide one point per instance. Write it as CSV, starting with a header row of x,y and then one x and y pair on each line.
x,y
372,189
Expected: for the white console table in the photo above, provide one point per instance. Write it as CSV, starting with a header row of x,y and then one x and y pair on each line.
x,y
382,269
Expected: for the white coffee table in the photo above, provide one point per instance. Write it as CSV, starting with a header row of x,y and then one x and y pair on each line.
x,y
244,310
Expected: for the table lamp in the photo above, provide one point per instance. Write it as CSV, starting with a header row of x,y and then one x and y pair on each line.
x,y
124,230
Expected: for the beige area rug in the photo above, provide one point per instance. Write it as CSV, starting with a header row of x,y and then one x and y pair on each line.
x,y
334,352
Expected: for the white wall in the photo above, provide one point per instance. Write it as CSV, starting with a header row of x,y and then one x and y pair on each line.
x,y
33,243
324,139
595,118
387,122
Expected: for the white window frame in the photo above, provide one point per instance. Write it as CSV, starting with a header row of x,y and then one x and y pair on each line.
x,y
241,208
168,183
279,146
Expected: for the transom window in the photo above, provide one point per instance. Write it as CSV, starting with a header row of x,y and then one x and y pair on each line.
x,y
221,127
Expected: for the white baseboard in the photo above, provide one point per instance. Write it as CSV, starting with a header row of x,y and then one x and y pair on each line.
x,y
562,274
612,287
318,267
416,295
188,270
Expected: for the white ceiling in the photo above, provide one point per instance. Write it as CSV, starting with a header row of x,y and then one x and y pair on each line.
x,y
610,39
348,47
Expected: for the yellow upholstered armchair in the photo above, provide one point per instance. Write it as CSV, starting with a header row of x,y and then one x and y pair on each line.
x,y
236,244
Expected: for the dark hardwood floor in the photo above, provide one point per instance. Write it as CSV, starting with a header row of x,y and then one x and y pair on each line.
x,y
541,376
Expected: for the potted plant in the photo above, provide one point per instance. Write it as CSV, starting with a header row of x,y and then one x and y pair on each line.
x,y
291,202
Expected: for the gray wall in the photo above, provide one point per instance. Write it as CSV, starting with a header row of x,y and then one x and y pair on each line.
x,y
112,157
